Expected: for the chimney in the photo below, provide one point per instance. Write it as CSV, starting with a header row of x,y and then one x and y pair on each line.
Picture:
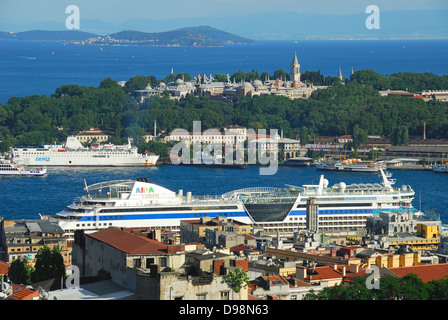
x,y
301,273
343,271
354,268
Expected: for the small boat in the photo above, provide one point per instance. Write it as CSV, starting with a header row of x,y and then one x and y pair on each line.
x,y
214,162
440,168
355,165
8,167
299,162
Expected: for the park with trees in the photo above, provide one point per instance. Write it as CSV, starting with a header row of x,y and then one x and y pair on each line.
x,y
352,107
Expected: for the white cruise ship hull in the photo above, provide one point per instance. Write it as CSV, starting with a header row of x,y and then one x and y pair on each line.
x,y
78,159
73,154
143,204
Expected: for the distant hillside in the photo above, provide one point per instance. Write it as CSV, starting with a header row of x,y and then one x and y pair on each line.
x,y
191,36
45,35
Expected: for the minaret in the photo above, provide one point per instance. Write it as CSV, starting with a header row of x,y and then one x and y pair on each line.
x,y
295,70
155,130
340,74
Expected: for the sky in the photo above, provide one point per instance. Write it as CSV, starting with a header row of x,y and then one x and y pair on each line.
x,y
117,11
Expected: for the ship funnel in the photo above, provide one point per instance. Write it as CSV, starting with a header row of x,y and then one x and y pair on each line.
x,y
181,193
188,196
321,185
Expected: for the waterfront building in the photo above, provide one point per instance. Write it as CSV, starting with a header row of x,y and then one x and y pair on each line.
x,y
95,135
288,148
22,239
230,136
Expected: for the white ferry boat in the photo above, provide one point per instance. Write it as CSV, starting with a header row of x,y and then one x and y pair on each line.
x,y
8,167
352,165
73,153
440,168
128,203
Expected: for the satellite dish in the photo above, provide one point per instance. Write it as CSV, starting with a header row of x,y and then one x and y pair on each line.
x,y
43,295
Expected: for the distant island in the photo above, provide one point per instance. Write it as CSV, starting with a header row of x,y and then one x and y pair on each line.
x,y
203,36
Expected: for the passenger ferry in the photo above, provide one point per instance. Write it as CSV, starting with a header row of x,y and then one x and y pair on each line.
x,y
140,203
440,168
73,153
8,167
352,165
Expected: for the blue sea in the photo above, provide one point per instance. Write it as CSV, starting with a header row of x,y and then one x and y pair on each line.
x,y
28,68
39,67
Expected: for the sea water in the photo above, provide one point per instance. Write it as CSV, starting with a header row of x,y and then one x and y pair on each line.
x,y
39,67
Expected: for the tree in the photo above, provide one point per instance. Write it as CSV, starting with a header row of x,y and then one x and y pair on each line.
x,y
19,272
49,264
281,74
359,136
237,279
108,83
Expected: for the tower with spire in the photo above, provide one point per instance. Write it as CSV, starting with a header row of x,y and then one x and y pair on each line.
x,y
340,74
295,70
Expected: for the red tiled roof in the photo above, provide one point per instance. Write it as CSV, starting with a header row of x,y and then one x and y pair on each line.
x,y
240,247
402,93
24,294
128,242
324,273
276,278
4,267
424,272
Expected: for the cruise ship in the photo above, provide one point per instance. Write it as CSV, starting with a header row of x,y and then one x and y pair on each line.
x,y
74,154
140,203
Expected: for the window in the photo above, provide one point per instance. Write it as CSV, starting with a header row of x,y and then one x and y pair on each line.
x,y
163,262
149,261
224,295
201,296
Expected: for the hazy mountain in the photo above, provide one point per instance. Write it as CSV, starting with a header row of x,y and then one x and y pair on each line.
x,y
190,36
47,35
282,25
